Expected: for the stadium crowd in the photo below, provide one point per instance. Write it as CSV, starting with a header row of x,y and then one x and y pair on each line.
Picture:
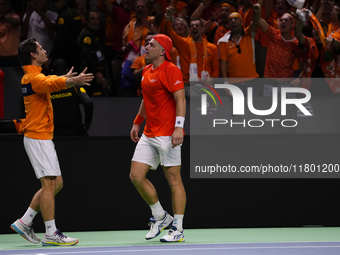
x,y
227,39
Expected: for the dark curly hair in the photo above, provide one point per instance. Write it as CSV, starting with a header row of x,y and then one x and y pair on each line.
x,y
24,51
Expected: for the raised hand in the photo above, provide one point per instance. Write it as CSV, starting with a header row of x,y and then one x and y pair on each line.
x,y
70,73
82,79
217,14
257,8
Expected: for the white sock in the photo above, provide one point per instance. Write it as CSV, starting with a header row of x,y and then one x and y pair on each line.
x,y
28,216
178,221
50,227
157,211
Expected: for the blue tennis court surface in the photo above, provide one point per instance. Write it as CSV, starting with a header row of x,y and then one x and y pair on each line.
x,y
324,248
246,241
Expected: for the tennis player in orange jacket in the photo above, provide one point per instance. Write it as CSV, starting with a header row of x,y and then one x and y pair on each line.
x,y
38,133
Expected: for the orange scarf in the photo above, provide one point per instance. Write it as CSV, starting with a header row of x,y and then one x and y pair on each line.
x,y
331,28
330,67
193,71
311,57
336,35
316,24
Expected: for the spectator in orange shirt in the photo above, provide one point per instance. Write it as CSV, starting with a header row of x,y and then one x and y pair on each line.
x,y
280,8
116,19
197,54
328,13
237,53
133,41
138,65
164,108
180,26
283,49
9,62
324,11
138,28
9,34
335,16
217,26
313,49
326,62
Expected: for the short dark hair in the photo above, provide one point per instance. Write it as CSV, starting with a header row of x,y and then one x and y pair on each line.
x,y
196,19
24,51
87,14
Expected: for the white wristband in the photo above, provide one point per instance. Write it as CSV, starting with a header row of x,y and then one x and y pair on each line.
x,y
179,121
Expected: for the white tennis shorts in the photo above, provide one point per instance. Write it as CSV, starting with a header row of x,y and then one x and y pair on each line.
x,y
43,157
155,150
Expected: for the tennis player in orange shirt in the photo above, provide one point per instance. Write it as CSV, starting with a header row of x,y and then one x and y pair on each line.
x,y
164,108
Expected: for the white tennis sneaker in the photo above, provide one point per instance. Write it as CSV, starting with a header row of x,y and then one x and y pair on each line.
x,y
25,231
58,239
157,226
174,235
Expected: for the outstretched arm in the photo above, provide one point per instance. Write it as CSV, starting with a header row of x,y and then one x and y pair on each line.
x,y
198,12
262,23
159,14
256,16
298,32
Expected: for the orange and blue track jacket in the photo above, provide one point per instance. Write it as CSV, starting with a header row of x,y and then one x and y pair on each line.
x,y
36,89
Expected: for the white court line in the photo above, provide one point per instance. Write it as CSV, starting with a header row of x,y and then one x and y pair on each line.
x,y
182,244
186,249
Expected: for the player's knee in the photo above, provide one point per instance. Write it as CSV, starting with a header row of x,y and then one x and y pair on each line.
x,y
135,178
58,187
59,184
48,183
174,180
